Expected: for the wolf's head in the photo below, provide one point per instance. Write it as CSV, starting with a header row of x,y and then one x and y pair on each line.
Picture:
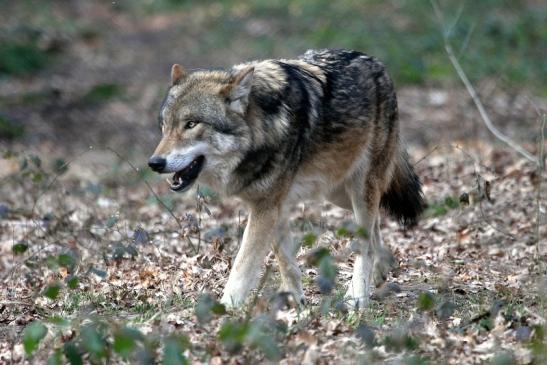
x,y
203,126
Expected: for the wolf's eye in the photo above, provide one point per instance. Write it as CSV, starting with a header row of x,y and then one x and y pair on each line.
x,y
191,124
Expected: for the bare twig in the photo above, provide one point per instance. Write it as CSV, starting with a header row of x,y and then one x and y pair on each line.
x,y
122,158
15,302
147,184
476,163
57,174
465,42
199,198
473,93
539,317
540,170
483,215
60,171
427,154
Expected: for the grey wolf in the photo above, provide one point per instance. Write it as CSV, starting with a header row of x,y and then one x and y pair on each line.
x,y
321,126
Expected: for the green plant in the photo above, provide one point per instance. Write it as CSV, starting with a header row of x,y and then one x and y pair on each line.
x,y
9,129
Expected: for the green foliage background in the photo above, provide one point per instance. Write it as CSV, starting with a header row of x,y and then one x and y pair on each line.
x,y
502,39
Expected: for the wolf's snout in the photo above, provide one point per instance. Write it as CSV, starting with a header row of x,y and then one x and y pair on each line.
x,y
157,163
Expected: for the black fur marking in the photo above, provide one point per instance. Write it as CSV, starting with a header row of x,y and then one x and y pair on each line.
x,y
255,164
259,162
349,56
377,92
311,75
393,113
404,199
331,125
299,103
327,91
270,102
332,55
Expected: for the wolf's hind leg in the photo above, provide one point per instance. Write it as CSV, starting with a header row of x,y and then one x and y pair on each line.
x,y
384,261
285,249
250,257
365,208
340,197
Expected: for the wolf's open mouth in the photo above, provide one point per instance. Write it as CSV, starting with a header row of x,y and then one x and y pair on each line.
x,y
184,178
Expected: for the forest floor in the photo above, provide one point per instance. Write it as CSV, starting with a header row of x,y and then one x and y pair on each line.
x,y
469,283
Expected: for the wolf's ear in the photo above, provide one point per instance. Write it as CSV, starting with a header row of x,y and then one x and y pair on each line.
x,y
237,92
178,73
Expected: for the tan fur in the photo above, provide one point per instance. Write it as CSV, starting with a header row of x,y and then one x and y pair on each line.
x,y
337,161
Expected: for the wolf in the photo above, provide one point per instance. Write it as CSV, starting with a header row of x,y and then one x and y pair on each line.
x,y
322,126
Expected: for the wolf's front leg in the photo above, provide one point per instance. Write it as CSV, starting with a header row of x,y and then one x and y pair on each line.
x,y
250,257
285,249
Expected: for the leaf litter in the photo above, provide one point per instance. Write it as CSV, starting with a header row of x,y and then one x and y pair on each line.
x,y
468,287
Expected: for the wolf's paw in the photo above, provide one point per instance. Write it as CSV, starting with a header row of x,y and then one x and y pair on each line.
x,y
284,300
384,263
231,301
358,293
356,303
296,294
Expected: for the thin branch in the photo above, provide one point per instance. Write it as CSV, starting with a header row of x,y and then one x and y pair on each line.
x,y
60,170
15,302
199,207
541,169
37,224
467,39
476,163
153,193
473,93
427,154
483,215
456,20
147,185
539,317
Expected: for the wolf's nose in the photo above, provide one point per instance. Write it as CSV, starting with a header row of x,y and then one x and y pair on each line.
x,y
157,163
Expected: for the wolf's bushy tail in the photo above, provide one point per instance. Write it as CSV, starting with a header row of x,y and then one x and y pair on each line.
x,y
404,199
